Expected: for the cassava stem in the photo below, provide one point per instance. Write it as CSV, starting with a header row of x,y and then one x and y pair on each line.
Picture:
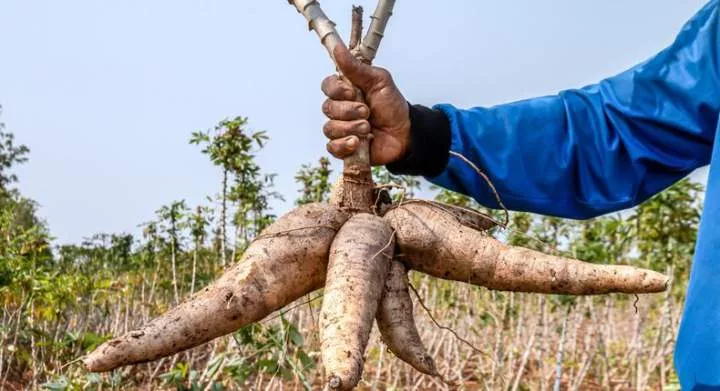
x,y
357,182
433,241
356,171
357,27
287,261
320,23
357,194
371,43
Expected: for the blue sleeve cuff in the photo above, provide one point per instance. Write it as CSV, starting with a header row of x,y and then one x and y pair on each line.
x,y
447,178
429,143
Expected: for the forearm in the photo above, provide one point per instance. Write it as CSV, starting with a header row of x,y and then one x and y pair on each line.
x,y
566,155
588,151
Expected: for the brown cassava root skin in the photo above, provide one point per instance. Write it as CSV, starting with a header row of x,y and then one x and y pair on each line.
x,y
396,322
287,261
359,260
435,242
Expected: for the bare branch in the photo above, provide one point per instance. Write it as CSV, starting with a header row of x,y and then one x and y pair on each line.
x,y
357,27
320,23
370,44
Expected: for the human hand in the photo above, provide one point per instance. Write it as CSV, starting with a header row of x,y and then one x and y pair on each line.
x,y
383,116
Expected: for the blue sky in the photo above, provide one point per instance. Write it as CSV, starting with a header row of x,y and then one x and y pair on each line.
x,y
106,93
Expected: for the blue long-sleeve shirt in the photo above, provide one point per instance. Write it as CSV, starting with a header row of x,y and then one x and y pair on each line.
x,y
602,148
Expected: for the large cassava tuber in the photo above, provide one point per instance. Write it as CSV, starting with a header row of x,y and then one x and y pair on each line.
x,y
287,261
359,261
435,242
364,282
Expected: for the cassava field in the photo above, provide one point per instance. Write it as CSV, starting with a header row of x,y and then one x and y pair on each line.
x,y
61,301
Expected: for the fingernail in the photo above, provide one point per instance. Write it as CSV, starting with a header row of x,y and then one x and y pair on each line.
x,y
363,111
351,143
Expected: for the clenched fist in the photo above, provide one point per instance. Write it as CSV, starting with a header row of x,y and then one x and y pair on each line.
x,y
384,116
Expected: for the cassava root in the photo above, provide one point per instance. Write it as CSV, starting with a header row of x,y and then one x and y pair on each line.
x,y
359,260
435,242
286,262
396,322
289,260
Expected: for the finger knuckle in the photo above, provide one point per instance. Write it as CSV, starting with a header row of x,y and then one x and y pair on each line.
x,y
349,93
383,73
348,111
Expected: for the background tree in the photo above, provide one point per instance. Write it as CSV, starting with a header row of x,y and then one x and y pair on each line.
x,y
198,223
232,147
665,228
10,156
402,186
315,182
172,219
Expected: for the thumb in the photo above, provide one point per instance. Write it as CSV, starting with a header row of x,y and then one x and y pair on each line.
x,y
360,74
